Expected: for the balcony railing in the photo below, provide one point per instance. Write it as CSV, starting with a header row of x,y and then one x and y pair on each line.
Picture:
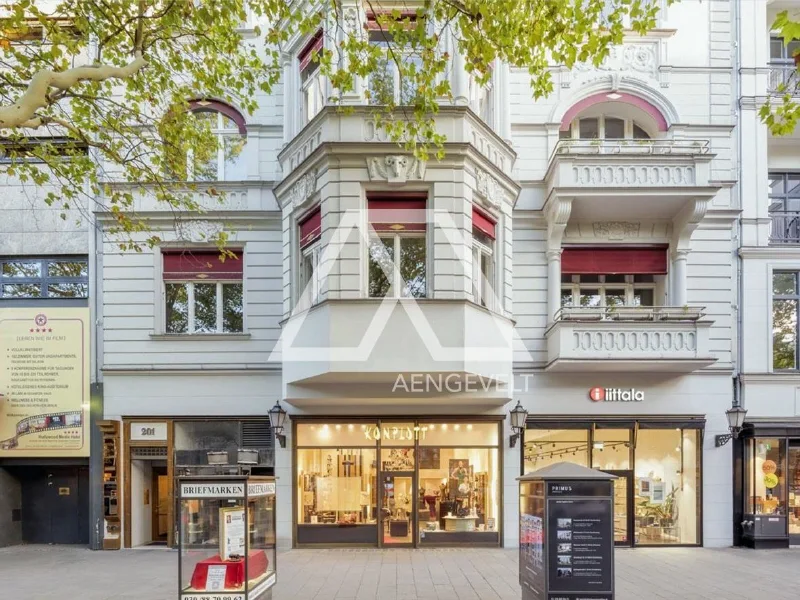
x,y
629,338
785,227
783,79
630,313
680,147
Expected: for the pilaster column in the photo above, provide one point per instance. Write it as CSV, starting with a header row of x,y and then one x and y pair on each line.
x,y
679,274
460,75
553,283
290,99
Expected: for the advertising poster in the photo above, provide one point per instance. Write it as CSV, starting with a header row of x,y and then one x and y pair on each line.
x,y
531,543
580,541
44,382
232,537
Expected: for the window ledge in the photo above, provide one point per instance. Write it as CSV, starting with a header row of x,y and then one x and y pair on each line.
x,y
199,336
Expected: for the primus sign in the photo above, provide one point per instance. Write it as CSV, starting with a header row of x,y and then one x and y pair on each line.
x,y
598,394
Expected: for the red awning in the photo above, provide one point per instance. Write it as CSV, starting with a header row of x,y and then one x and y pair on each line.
x,y
401,211
614,260
483,223
184,265
311,228
313,46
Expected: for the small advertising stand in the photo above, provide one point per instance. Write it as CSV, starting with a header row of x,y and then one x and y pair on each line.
x,y
226,538
566,534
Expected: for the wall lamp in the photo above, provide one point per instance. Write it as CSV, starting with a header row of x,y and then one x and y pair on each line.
x,y
735,416
518,417
277,418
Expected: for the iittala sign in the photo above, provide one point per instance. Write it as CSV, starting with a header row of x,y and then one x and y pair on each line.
x,y
598,394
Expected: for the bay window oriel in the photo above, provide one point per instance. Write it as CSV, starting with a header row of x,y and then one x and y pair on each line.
x,y
203,293
397,253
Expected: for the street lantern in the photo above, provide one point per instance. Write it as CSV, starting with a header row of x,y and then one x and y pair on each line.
x,y
277,418
518,417
735,416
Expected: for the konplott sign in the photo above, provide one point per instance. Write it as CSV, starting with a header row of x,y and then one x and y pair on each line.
x,y
598,394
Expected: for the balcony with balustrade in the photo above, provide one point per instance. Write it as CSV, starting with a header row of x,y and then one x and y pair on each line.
x,y
629,338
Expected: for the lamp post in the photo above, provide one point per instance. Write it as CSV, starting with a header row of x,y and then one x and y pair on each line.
x,y
735,416
518,417
277,417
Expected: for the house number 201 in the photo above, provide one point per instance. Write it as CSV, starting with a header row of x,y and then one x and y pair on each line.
x,y
148,431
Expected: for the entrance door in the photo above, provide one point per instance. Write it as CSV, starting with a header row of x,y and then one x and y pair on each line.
x,y
398,514
623,507
54,505
160,504
793,481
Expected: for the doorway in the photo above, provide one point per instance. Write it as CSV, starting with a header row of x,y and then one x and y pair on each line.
x,y
160,517
55,504
623,507
398,514
793,481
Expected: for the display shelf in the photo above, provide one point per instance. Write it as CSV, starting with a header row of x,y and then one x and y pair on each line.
x,y
110,433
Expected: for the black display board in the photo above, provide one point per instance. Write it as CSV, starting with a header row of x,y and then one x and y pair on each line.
x,y
566,539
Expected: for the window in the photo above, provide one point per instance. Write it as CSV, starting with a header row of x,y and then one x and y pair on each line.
x,y
203,293
31,149
780,52
608,290
483,236
784,208
309,278
397,253
225,162
604,128
386,86
785,301
312,89
481,99
44,278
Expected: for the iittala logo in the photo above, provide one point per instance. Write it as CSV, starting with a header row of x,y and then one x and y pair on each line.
x,y
598,394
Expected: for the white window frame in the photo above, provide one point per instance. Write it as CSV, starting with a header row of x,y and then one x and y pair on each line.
x,y
397,284
575,130
312,252
309,77
629,286
190,324
220,132
483,287
404,54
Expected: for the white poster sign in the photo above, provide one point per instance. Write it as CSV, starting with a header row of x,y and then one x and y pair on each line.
x,y
232,537
148,432
215,579
212,490
260,489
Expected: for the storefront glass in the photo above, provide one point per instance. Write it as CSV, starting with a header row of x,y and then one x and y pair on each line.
x,y
766,478
794,490
658,470
398,483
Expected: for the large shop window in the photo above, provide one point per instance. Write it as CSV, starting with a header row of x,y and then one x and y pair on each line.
x,y
398,483
483,249
50,277
658,467
203,293
312,86
766,477
785,304
398,245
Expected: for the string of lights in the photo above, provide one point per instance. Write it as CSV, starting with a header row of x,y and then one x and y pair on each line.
x,y
535,452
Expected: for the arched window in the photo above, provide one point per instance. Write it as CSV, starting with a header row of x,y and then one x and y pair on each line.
x,y
604,127
228,126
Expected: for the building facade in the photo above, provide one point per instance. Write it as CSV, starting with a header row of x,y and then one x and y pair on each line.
x,y
581,255
767,457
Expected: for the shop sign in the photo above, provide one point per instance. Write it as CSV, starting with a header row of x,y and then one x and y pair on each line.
x,y
395,434
770,481
148,432
260,489
598,394
212,490
44,382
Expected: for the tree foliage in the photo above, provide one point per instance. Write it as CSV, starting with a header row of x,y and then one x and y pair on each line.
x,y
781,112
94,95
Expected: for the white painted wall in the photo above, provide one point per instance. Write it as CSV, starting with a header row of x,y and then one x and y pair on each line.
x,y
141,513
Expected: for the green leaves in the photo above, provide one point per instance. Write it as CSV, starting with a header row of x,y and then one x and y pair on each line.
x,y
402,61
781,112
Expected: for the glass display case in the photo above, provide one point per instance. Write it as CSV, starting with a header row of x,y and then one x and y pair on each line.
x,y
226,538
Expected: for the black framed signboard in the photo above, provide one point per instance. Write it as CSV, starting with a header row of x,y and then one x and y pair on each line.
x,y
567,534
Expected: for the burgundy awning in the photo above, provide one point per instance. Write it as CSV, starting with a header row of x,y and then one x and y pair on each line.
x,y
184,265
311,228
400,211
614,260
314,45
483,223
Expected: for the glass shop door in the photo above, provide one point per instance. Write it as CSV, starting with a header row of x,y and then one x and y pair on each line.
x,y
623,507
398,506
